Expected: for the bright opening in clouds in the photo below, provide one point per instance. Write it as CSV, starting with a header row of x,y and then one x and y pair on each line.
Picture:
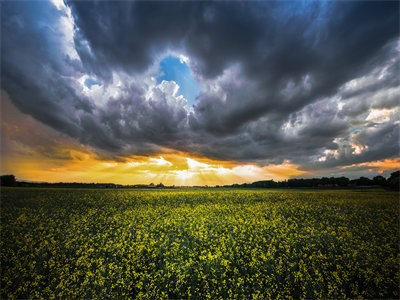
x,y
176,69
244,87
89,82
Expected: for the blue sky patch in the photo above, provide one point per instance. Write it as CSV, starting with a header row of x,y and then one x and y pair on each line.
x,y
172,68
355,129
89,82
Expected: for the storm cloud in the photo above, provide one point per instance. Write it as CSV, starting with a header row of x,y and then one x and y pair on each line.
x,y
315,83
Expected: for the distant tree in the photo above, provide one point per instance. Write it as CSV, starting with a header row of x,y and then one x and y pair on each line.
x,y
394,180
324,180
379,180
342,181
160,185
364,181
7,180
264,184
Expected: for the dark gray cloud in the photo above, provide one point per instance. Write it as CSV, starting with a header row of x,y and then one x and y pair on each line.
x,y
33,68
280,80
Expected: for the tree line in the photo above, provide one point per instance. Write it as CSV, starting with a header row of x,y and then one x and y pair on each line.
x,y
392,182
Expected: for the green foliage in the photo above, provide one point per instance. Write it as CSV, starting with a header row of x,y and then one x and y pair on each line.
x,y
81,243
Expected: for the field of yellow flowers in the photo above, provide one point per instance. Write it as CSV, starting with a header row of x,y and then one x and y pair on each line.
x,y
199,243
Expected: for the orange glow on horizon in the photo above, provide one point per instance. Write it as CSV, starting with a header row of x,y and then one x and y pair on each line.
x,y
381,165
170,169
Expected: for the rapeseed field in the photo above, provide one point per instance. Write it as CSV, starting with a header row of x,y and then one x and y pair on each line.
x,y
199,243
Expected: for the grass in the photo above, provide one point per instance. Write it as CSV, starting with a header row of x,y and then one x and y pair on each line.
x,y
207,243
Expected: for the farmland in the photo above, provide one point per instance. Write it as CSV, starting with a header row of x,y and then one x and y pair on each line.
x,y
199,243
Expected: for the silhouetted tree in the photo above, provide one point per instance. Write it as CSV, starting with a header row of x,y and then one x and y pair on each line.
x,y
379,180
364,181
324,181
7,180
394,180
342,181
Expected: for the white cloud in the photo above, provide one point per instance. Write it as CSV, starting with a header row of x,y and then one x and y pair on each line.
x,y
328,153
66,26
166,90
161,161
382,115
358,149
184,59
195,165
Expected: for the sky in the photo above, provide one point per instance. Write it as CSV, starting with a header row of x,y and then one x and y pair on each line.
x,y
199,92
